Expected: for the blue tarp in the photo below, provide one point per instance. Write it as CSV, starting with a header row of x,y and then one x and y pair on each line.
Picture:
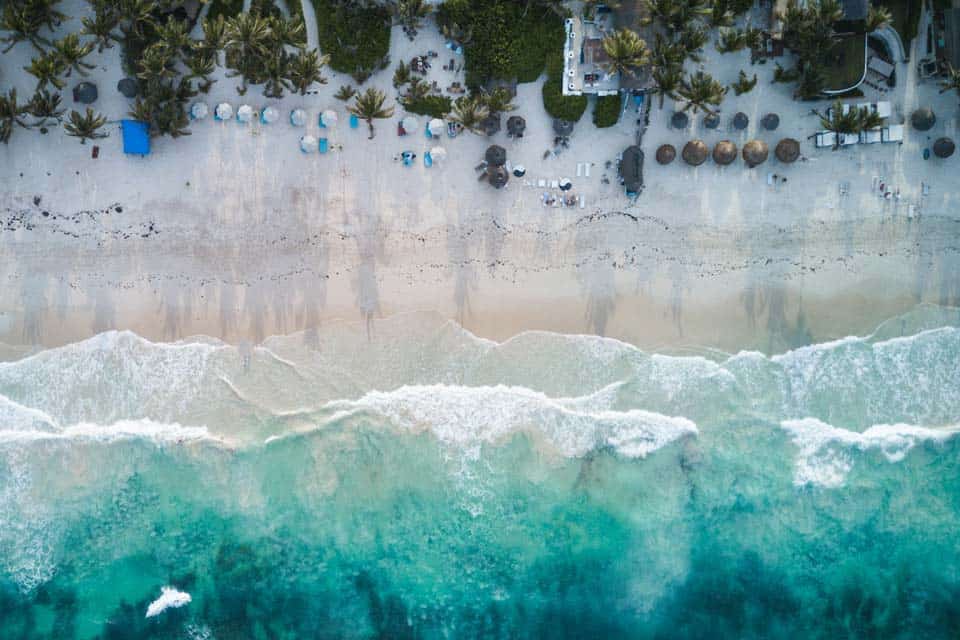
x,y
354,121
323,145
136,137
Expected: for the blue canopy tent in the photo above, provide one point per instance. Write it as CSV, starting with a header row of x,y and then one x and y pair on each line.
x,y
136,137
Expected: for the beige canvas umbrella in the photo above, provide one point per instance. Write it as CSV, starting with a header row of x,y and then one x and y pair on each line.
x,y
787,150
724,152
695,152
755,153
666,154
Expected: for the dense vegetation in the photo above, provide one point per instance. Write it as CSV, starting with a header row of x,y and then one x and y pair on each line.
x,y
606,111
355,36
433,106
569,108
503,39
225,8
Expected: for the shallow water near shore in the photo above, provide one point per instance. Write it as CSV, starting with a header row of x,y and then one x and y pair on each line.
x,y
421,482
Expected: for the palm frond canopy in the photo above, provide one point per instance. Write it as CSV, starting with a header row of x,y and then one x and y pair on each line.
x,y
923,119
787,150
724,152
85,92
755,153
666,153
740,121
944,147
770,121
495,156
695,153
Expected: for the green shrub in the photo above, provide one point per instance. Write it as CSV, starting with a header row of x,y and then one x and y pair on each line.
x,y
225,8
606,111
357,38
433,106
560,106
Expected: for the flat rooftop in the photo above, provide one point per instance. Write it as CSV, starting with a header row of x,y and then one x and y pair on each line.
x,y
583,57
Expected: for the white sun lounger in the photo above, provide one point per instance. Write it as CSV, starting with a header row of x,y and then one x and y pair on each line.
x,y
554,184
541,183
586,169
579,169
582,202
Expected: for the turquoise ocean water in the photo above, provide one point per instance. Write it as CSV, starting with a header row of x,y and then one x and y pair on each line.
x,y
424,483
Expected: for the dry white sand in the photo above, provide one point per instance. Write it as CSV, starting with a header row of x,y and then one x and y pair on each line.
x,y
233,232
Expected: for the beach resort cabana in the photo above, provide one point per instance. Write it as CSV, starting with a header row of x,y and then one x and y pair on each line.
x,y
410,125
711,121
740,121
787,150
439,154
562,127
199,110
631,170
516,125
491,124
770,122
755,153
436,127
136,137
695,153
223,111
85,93
923,119
269,115
328,120
679,120
944,147
298,118
128,87
308,144
495,156
498,177
666,153
724,152
245,113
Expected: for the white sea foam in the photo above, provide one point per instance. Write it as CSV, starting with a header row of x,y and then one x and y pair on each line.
x,y
125,429
170,598
825,457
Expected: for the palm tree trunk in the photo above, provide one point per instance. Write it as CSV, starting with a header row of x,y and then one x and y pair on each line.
x,y
370,124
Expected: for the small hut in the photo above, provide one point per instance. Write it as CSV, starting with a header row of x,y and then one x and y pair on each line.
x,y
516,125
787,150
128,87
755,153
85,93
770,121
666,153
695,153
740,121
923,119
496,156
944,147
711,121
562,127
679,120
491,124
497,177
631,169
724,152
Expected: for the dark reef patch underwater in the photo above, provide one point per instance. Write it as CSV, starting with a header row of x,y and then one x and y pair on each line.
x,y
428,484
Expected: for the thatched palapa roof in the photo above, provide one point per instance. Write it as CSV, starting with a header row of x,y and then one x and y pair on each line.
x,y
695,153
787,150
562,127
923,119
631,168
755,153
724,152
666,153
770,121
516,125
496,155
740,121
498,177
679,120
944,147
491,124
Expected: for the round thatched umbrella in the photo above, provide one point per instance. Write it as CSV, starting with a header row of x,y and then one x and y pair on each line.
x,y
770,121
516,125
711,121
491,124
755,152
128,87
679,120
944,147
695,152
787,150
85,92
923,119
496,156
740,121
498,177
562,127
724,152
666,154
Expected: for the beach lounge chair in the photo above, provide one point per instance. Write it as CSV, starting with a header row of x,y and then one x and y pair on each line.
x,y
579,169
586,169
324,145
354,121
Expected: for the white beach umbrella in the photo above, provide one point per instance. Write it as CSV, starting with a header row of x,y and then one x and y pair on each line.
x,y
298,118
437,127
438,153
269,115
329,118
245,113
223,111
199,110
410,124
308,144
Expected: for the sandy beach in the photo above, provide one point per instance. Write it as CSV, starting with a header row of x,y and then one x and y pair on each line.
x,y
234,233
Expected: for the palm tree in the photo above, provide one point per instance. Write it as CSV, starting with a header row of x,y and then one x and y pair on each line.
x,y
157,63
744,84
667,53
878,18
701,91
720,14
71,53
44,106
667,81
469,113
369,105
498,100
869,119
290,32
625,51
401,75
693,38
173,34
23,21
304,70
137,15
345,92
410,13
952,81
201,66
102,26
839,122
274,71
247,40
11,113
214,37
47,69
86,127
417,90
731,40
